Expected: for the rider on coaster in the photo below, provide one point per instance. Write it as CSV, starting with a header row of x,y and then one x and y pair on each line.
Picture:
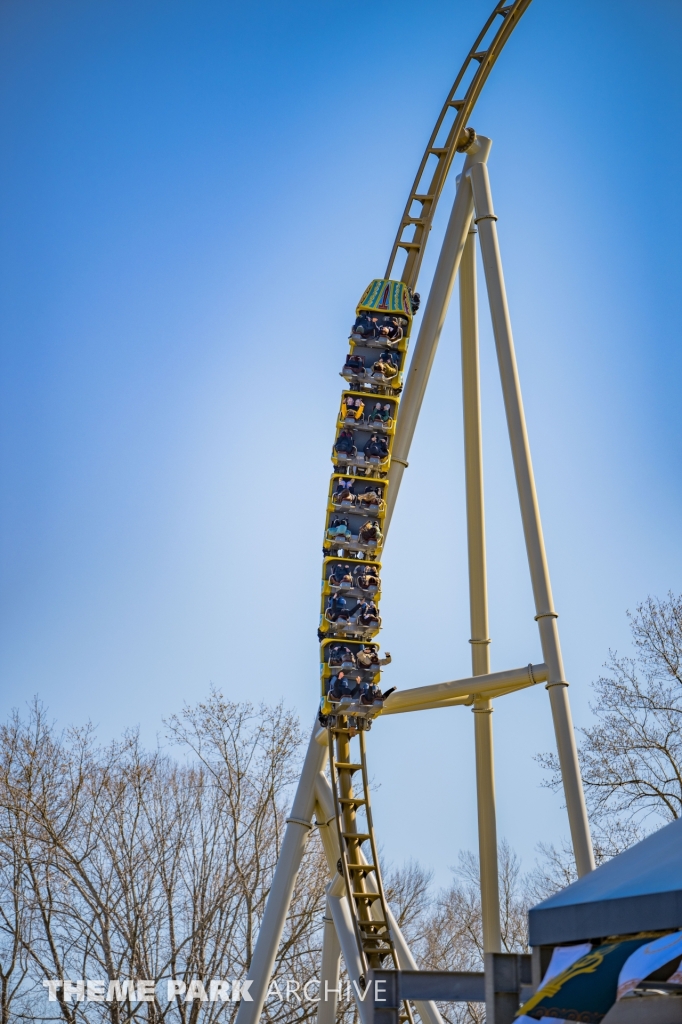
x,y
343,492
367,613
340,686
386,366
375,416
338,530
369,661
368,576
339,654
391,329
347,657
344,444
352,408
337,609
364,328
341,575
372,495
368,693
376,447
354,364
371,531
334,655
380,415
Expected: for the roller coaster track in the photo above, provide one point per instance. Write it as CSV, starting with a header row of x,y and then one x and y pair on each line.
x,y
362,876
356,505
481,57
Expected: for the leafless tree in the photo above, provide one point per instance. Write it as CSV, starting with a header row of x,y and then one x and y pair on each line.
x,y
15,916
121,864
409,893
631,758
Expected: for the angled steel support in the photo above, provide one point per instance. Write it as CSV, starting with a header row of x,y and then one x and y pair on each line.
x,y
545,613
344,929
330,987
293,847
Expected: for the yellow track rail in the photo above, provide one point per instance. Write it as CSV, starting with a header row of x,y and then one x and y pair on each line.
x,y
482,55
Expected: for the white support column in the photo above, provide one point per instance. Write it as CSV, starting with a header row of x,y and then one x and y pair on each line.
x,y
433,319
293,847
530,514
325,819
329,977
478,597
344,929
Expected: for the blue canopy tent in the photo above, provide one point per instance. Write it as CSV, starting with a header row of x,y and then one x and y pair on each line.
x,y
607,912
640,890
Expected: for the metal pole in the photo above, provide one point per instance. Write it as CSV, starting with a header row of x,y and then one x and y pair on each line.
x,y
337,904
545,615
331,965
346,935
288,863
433,319
478,598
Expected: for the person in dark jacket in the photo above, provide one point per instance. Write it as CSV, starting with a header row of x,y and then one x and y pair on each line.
x,y
345,443
365,327
341,575
375,448
354,364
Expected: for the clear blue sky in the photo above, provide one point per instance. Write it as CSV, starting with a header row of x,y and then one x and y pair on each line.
x,y
193,196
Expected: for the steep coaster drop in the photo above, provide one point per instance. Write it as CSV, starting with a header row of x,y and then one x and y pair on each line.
x,y
374,428
358,501
351,590
356,509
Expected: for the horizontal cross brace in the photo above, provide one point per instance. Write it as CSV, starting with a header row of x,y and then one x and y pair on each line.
x,y
465,691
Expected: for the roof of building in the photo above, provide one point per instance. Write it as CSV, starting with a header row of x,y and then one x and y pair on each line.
x,y
639,890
